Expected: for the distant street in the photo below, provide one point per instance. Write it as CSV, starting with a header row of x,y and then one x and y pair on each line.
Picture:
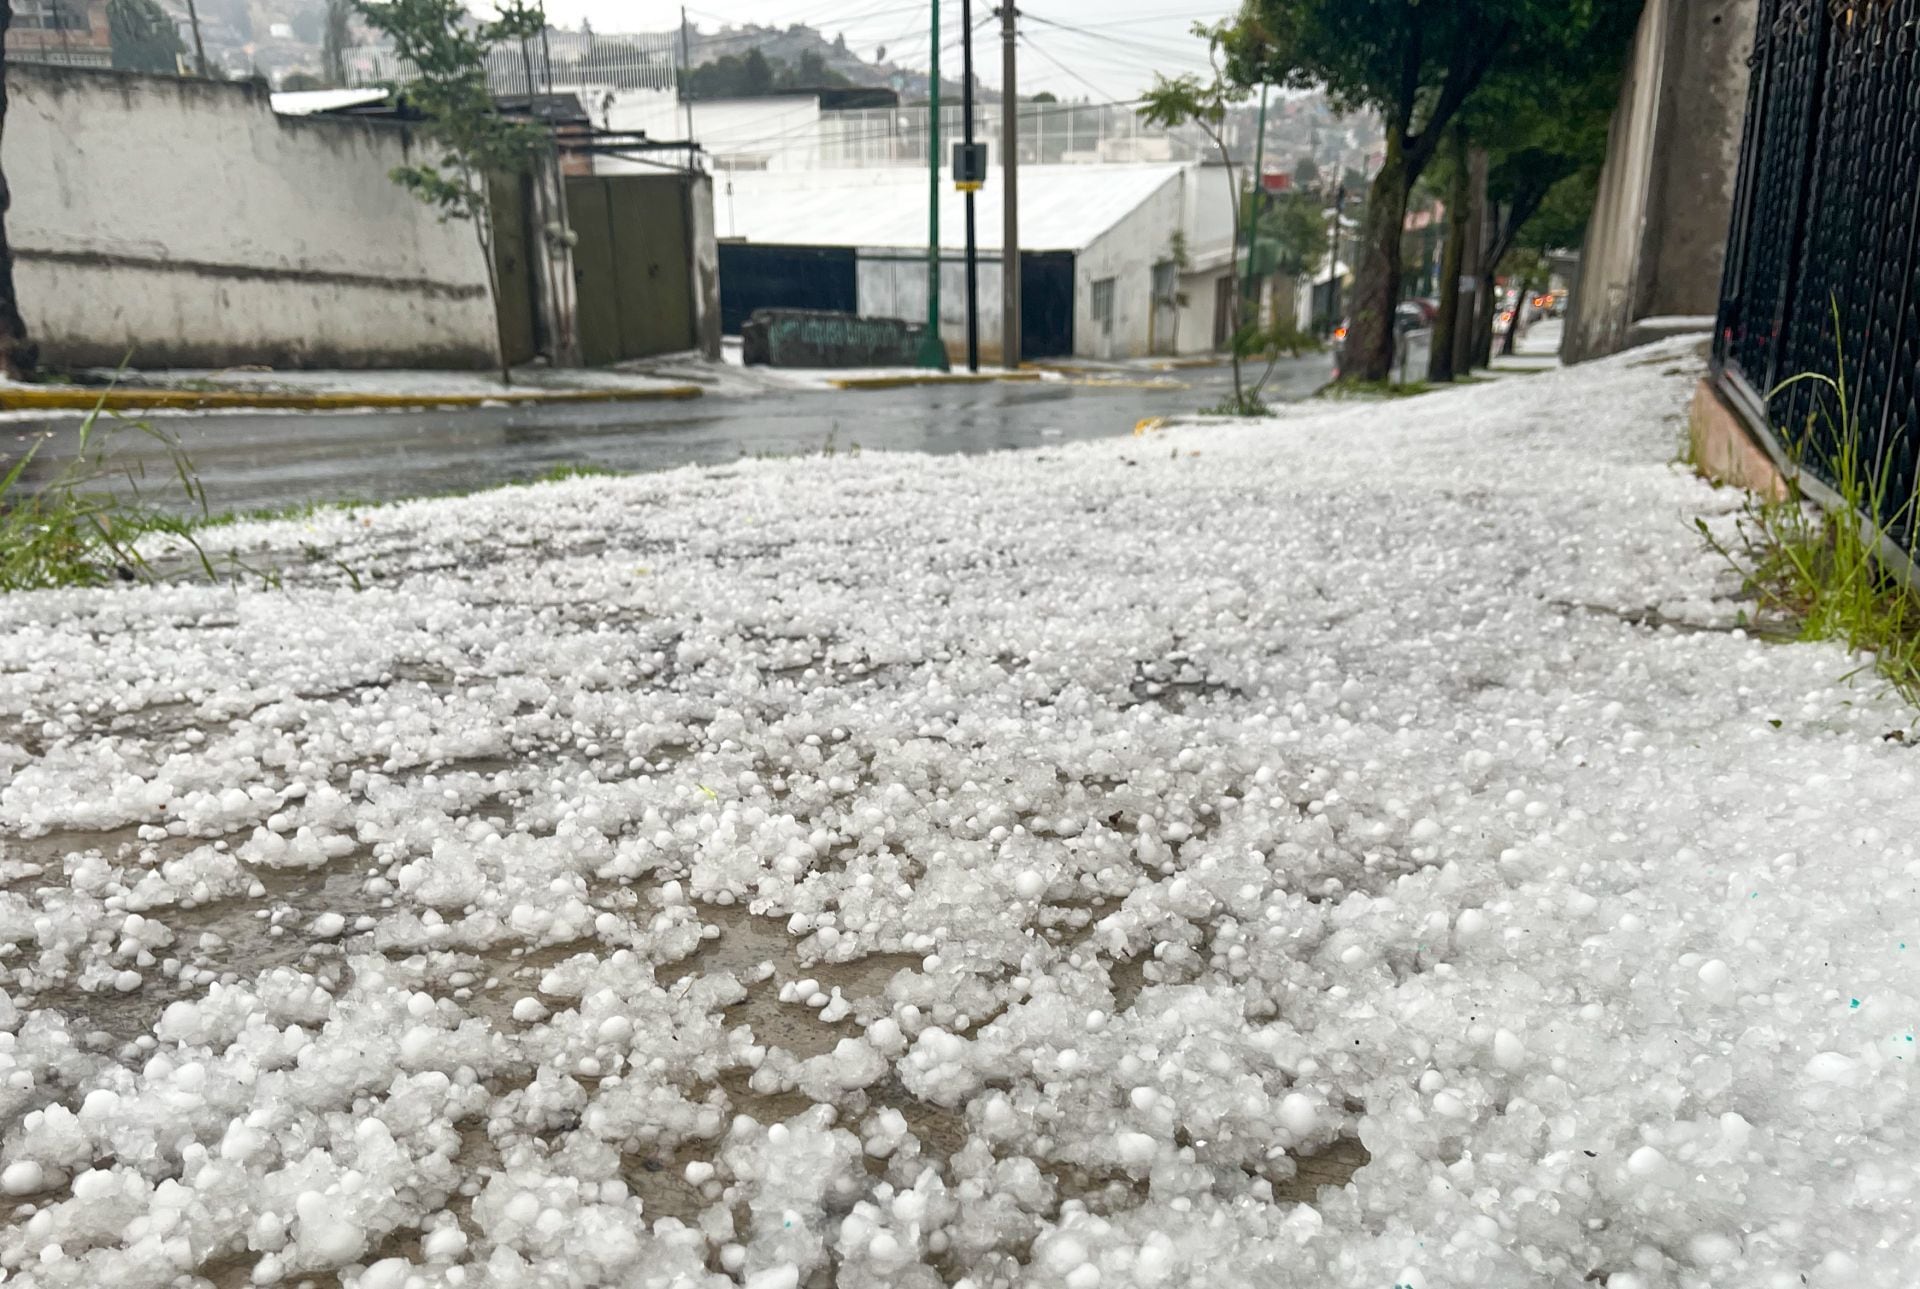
x,y
258,460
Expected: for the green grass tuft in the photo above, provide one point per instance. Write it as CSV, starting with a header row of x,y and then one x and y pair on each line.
x,y
69,530
1821,567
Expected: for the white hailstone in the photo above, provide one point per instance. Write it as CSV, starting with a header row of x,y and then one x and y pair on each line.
x,y
22,1177
1298,1115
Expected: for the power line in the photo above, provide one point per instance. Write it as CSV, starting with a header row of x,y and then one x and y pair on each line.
x,y
1138,45
1028,42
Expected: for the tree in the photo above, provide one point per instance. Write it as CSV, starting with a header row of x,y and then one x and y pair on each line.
x,y
1560,222
294,82
334,39
1416,64
1188,100
18,355
144,38
1293,235
1536,133
1044,96
756,74
1556,148
473,142
1306,172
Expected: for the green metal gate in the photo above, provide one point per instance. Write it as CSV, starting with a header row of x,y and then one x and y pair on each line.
x,y
633,265
509,198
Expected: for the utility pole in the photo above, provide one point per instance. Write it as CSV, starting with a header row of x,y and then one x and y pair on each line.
x,y
966,180
1258,187
933,350
686,81
1333,265
199,50
1010,196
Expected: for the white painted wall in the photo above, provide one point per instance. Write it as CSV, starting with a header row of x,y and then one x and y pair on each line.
x,y
893,284
184,221
1208,213
1126,252
778,132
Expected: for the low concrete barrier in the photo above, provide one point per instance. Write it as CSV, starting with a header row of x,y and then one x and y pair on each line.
x,y
817,338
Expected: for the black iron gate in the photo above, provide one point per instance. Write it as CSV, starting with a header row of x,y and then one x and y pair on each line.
x,y
1823,255
1046,304
753,276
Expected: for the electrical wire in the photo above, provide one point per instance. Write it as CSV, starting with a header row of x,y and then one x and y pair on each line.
x,y
1132,43
1026,40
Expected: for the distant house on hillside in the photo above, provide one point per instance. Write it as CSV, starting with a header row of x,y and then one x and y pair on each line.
x,y
69,32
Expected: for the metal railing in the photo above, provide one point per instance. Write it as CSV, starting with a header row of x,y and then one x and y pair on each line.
x,y
1050,134
1823,255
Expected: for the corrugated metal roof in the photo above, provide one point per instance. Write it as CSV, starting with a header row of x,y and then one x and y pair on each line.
x,y
1062,208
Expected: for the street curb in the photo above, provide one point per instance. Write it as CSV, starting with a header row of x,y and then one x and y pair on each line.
x,y
72,399
930,378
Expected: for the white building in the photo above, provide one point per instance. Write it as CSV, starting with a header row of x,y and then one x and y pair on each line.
x,y
1118,261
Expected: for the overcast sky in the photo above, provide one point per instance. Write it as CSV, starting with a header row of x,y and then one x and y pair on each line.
x,y
1102,49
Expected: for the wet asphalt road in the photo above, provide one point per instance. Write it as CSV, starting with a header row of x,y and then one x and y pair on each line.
x,y
260,460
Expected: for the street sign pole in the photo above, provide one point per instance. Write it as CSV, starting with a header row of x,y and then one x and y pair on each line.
x,y
1258,187
966,134
933,350
1009,196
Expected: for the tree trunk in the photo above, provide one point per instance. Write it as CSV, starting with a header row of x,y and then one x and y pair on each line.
x,y
1513,323
1484,324
1368,354
1447,321
18,355
1234,313
483,233
1475,305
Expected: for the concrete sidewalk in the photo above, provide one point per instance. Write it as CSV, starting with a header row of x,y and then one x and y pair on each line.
x,y
190,390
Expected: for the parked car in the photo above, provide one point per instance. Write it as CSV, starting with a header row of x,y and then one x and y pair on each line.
x,y
1409,316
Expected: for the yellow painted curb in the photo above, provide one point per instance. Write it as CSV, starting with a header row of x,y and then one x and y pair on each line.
x,y
74,399
930,378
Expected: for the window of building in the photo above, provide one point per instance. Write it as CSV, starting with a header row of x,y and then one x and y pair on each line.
x,y
1165,281
1103,305
49,15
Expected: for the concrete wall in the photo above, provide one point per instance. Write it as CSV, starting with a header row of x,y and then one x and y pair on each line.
x,y
705,251
1658,234
777,132
184,221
